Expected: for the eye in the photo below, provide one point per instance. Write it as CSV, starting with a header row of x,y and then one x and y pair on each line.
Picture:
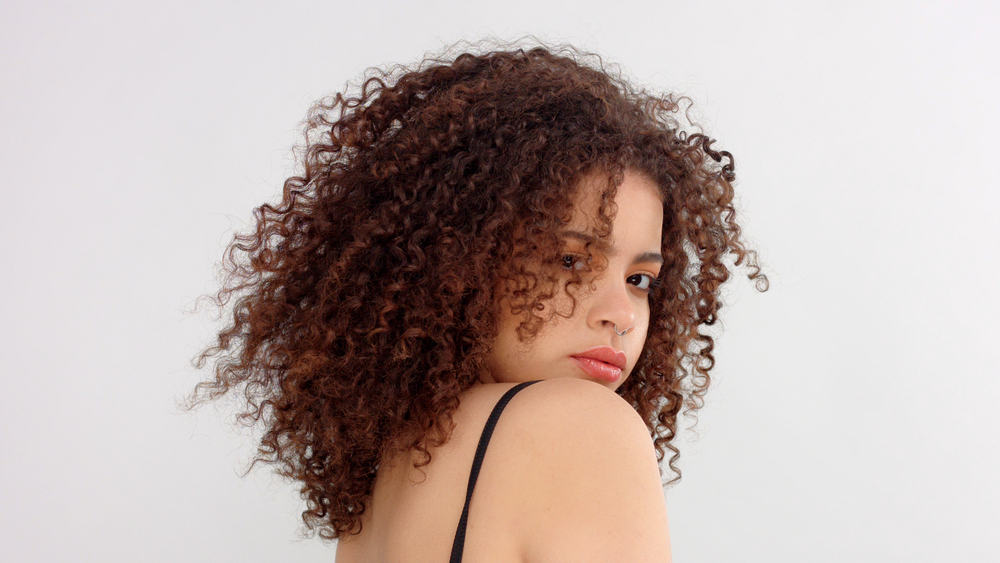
x,y
647,282
571,261
651,283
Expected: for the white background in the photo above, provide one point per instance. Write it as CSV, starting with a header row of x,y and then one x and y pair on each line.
x,y
851,416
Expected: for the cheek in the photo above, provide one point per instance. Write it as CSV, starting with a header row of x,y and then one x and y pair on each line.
x,y
642,328
507,336
562,305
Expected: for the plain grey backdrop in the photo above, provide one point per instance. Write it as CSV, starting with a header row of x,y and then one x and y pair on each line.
x,y
851,416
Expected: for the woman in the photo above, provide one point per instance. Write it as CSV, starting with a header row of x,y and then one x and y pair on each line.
x,y
515,231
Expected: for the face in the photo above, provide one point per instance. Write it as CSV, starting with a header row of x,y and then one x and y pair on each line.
x,y
619,298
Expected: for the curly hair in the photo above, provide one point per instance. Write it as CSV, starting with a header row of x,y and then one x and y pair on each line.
x,y
369,297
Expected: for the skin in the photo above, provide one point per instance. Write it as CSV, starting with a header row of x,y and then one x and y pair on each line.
x,y
620,295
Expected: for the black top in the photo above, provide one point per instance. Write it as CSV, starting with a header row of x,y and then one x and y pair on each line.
x,y
484,440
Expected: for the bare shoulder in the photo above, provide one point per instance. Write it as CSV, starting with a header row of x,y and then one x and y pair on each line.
x,y
588,481
582,393
578,412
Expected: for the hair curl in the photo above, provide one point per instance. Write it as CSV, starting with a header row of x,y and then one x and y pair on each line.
x,y
371,291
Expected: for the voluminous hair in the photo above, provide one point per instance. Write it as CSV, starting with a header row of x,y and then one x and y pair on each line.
x,y
369,294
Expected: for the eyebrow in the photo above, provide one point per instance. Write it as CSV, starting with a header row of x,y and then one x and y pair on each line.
x,y
606,248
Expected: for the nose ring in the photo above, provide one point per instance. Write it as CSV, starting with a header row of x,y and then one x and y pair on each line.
x,y
621,333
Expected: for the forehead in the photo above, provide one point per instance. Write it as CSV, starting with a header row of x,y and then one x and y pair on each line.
x,y
639,202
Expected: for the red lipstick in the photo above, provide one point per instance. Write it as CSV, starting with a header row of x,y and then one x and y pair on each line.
x,y
604,363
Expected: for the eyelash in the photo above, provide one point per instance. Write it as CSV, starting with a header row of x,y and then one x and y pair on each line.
x,y
653,281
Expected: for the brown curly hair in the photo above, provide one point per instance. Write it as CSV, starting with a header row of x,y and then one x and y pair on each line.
x,y
371,291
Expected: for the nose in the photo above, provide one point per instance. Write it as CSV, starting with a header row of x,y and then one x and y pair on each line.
x,y
612,304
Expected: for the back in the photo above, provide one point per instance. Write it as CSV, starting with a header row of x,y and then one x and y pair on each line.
x,y
522,507
458,545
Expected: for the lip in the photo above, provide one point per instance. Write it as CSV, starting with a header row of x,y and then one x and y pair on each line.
x,y
604,363
598,369
605,354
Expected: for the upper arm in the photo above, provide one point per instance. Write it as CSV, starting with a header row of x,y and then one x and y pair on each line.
x,y
591,484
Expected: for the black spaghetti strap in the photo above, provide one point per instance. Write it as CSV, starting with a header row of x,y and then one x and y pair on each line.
x,y
484,440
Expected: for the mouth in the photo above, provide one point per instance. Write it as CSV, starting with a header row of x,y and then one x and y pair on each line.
x,y
606,355
597,369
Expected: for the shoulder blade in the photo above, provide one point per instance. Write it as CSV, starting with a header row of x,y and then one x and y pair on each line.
x,y
588,477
